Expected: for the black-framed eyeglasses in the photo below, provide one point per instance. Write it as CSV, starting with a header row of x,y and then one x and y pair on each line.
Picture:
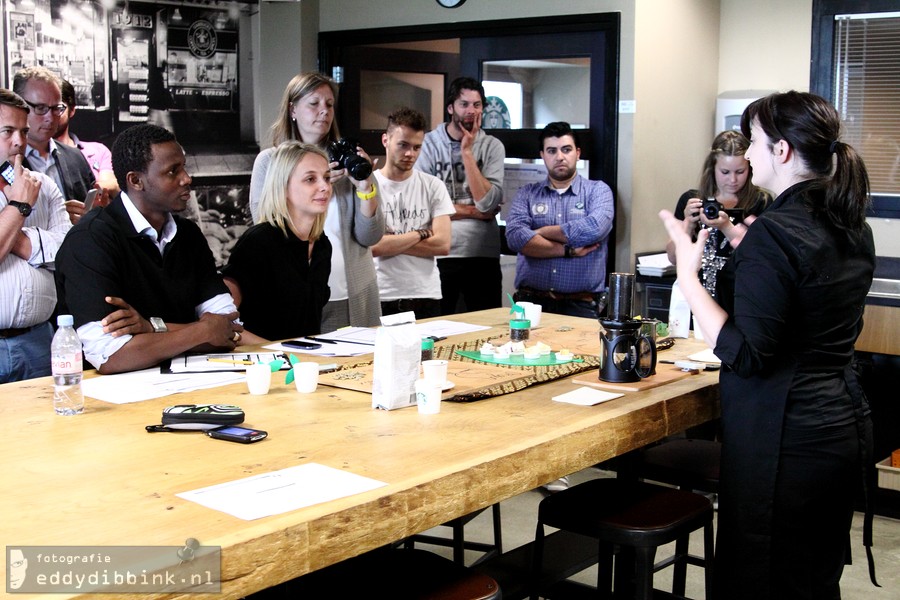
x,y
43,109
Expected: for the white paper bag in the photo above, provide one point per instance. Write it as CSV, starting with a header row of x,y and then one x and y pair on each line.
x,y
398,352
679,314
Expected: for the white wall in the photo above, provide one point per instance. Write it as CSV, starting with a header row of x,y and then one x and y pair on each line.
x,y
765,45
675,57
286,37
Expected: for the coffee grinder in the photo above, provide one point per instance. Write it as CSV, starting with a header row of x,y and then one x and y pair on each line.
x,y
626,356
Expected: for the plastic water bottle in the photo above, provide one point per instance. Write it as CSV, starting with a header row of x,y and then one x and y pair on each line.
x,y
65,358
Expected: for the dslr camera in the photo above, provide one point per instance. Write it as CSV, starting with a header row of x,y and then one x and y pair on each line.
x,y
711,208
343,152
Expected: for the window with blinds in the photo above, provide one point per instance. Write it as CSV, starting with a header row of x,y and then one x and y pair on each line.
x,y
867,93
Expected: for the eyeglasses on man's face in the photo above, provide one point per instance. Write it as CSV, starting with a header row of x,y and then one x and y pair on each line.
x,y
43,109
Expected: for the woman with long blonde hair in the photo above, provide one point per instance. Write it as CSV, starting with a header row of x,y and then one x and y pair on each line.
x,y
354,221
278,270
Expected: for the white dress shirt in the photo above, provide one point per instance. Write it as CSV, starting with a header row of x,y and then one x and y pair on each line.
x,y
27,288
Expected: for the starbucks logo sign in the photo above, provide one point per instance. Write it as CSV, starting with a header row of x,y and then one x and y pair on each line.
x,y
202,39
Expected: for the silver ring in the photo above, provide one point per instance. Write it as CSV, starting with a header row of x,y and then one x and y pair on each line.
x,y
236,337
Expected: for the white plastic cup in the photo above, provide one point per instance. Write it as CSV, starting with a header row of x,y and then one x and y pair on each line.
x,y
428,397
306,376
259,378
435,371
532,312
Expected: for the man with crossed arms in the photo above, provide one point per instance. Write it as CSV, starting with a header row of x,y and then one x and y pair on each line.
x,y
417,211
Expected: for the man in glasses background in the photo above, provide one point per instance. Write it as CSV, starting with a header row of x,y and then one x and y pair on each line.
x,y
66,166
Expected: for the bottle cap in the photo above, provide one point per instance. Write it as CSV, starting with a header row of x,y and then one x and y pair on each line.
x,y
427,343
65,321
520,324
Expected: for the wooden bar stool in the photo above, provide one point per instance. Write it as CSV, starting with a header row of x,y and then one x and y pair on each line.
x,y
689,464
629,518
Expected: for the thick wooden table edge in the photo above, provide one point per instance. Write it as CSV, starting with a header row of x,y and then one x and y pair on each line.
x,y
262,553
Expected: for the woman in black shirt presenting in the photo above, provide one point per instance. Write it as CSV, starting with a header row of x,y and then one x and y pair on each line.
x,y
795,425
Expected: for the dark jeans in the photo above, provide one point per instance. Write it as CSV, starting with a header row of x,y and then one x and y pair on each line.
x,y
592,309
423,307
476,280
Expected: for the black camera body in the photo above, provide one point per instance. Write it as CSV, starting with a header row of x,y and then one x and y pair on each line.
x,y
711,208
343,152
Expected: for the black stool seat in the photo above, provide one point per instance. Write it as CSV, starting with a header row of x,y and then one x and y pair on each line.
x,y
399,574
631,514
687,463
632,517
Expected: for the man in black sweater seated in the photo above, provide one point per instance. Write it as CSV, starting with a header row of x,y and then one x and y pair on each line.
x,y
140,281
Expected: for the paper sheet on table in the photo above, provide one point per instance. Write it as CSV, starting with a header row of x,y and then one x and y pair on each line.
x,y
585,396
444,328
281,491
201,363
439,328
655,260
356,341
707,356
136,386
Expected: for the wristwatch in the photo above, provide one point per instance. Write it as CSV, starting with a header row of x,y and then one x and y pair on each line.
x,y
22,207
158,325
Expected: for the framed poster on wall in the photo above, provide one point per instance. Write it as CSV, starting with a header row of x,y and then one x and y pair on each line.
x,y
69,37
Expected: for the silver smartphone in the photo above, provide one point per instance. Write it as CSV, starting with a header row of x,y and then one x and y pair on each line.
x,y
89,199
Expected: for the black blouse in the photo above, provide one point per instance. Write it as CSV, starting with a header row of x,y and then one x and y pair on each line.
x,y
282,290
794,291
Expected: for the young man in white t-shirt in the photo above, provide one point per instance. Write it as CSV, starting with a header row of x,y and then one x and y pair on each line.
x,y
417,211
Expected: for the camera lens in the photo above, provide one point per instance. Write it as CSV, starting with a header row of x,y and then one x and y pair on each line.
x,y
357,167
711,208
343,152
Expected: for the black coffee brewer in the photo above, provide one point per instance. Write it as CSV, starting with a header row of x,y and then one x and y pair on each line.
x,y
626,356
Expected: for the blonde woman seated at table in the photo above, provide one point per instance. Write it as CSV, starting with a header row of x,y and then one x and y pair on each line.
x,y
355,221
278,270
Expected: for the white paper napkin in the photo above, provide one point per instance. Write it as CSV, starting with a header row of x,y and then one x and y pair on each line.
x,y
707,356
585,396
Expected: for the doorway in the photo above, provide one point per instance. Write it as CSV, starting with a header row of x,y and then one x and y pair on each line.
x,y
564,68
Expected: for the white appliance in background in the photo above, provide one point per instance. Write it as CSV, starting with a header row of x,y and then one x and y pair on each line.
x,y
730,105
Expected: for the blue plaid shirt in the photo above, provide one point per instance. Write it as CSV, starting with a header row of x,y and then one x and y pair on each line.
x,y
585,214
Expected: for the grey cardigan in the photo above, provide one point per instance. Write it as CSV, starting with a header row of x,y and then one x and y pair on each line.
x,y
358,233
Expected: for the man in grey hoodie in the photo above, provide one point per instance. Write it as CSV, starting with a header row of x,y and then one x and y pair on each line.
x,y
470,163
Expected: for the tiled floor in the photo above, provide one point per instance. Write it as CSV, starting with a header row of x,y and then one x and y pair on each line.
x,y
519,516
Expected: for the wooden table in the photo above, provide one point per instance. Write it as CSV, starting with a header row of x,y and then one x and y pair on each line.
x,y
100,479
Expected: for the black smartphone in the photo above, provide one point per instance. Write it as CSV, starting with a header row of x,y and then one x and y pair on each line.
x,y
7,174
241,435
301,344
